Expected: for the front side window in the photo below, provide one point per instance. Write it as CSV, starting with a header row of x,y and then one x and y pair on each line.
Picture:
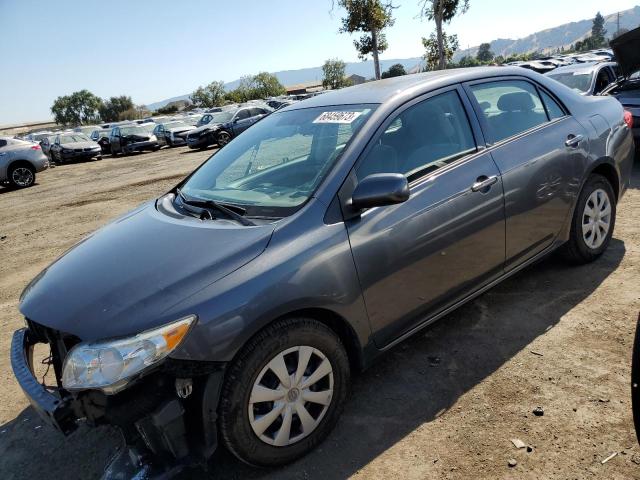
x,y
421,139
242,114
509,107
276,165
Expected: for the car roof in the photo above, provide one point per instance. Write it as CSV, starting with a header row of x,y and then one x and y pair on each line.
x,y
396,88
586,67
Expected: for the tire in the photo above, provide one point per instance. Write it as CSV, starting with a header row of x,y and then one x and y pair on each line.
x,y
223,138
21,175
597,196
283,340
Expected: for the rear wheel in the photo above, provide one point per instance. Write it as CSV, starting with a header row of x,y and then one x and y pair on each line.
x,y
593,221
21,175
284,392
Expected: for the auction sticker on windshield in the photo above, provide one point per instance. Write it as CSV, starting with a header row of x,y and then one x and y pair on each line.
x,y
337,117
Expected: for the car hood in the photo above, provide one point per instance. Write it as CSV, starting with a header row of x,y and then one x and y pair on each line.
x,y
123,278
79,145
180,129
626,48
208,126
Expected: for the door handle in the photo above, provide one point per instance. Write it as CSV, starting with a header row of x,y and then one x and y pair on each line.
x,y
483,183
573,140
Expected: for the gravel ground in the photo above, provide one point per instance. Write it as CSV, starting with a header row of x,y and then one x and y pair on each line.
x,y
444,404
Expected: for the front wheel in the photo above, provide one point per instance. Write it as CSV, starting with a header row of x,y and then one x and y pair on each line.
x,y
284,392
593,221
223,138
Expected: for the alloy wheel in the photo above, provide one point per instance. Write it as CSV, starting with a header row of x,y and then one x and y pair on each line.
x,y
596,219
223,139
22,176
291,395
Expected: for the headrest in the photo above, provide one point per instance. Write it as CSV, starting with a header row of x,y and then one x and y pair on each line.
x,y
429,118
516,102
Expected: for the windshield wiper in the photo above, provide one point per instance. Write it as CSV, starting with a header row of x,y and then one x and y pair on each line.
x,y
210,204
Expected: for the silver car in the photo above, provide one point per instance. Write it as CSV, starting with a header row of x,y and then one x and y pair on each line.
x,y
20,161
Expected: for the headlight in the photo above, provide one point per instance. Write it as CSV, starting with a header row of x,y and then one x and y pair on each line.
x,y
153,138
109,365
66,150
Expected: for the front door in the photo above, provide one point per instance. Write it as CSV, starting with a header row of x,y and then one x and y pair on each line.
x,y
540,150
416,258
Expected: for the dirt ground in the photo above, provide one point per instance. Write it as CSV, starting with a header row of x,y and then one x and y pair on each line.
x,y
444,404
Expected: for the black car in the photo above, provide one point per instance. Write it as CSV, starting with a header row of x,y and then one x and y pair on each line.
x,y
101,136
127,139
226,125
627,89
73,146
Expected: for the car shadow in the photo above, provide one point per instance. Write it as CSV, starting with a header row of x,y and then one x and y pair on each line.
x,y
412,384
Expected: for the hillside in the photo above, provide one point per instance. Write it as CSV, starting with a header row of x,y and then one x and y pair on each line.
x,y
557,37
293,77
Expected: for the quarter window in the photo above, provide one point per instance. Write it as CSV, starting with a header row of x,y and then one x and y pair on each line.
x,y
509,107
421,139
553,109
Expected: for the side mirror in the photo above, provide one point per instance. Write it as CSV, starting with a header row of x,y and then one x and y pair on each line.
x,y
380,189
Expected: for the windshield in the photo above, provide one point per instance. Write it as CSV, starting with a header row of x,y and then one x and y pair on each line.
x,y
74,138
275,166
137,130
221,117
580,81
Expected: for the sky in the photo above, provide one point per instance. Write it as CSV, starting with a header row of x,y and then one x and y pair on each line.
x,y
152,50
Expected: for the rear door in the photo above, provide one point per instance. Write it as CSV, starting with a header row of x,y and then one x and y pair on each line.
x,y
540,150
416,258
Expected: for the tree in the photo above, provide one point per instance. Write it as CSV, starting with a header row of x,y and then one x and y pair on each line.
x,y
484,53
442,11
266,85
211,95
396,70
252,87
333,72
133,113
76,109
370,17
598,31
111,109
438,50
468,61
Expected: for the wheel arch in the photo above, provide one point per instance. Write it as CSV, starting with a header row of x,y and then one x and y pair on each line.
x,y
18,162
338,324
604,166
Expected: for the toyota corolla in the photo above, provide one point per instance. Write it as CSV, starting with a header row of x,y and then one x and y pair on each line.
x,y
236,307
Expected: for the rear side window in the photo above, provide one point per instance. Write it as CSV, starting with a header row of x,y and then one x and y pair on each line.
x,y
509,107
553,109
421,139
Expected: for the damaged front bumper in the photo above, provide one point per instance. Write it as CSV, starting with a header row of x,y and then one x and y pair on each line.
x,y
167,417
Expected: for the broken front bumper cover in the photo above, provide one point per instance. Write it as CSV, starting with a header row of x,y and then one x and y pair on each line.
x,y
55,410
163,426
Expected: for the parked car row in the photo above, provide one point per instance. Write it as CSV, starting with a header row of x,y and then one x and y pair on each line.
x,y
20,160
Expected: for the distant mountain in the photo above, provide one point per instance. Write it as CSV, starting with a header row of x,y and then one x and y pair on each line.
x,y
562,36
545,40
293,77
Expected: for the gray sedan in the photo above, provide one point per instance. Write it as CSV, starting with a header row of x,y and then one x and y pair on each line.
x,y
20,161
238,305
74,146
